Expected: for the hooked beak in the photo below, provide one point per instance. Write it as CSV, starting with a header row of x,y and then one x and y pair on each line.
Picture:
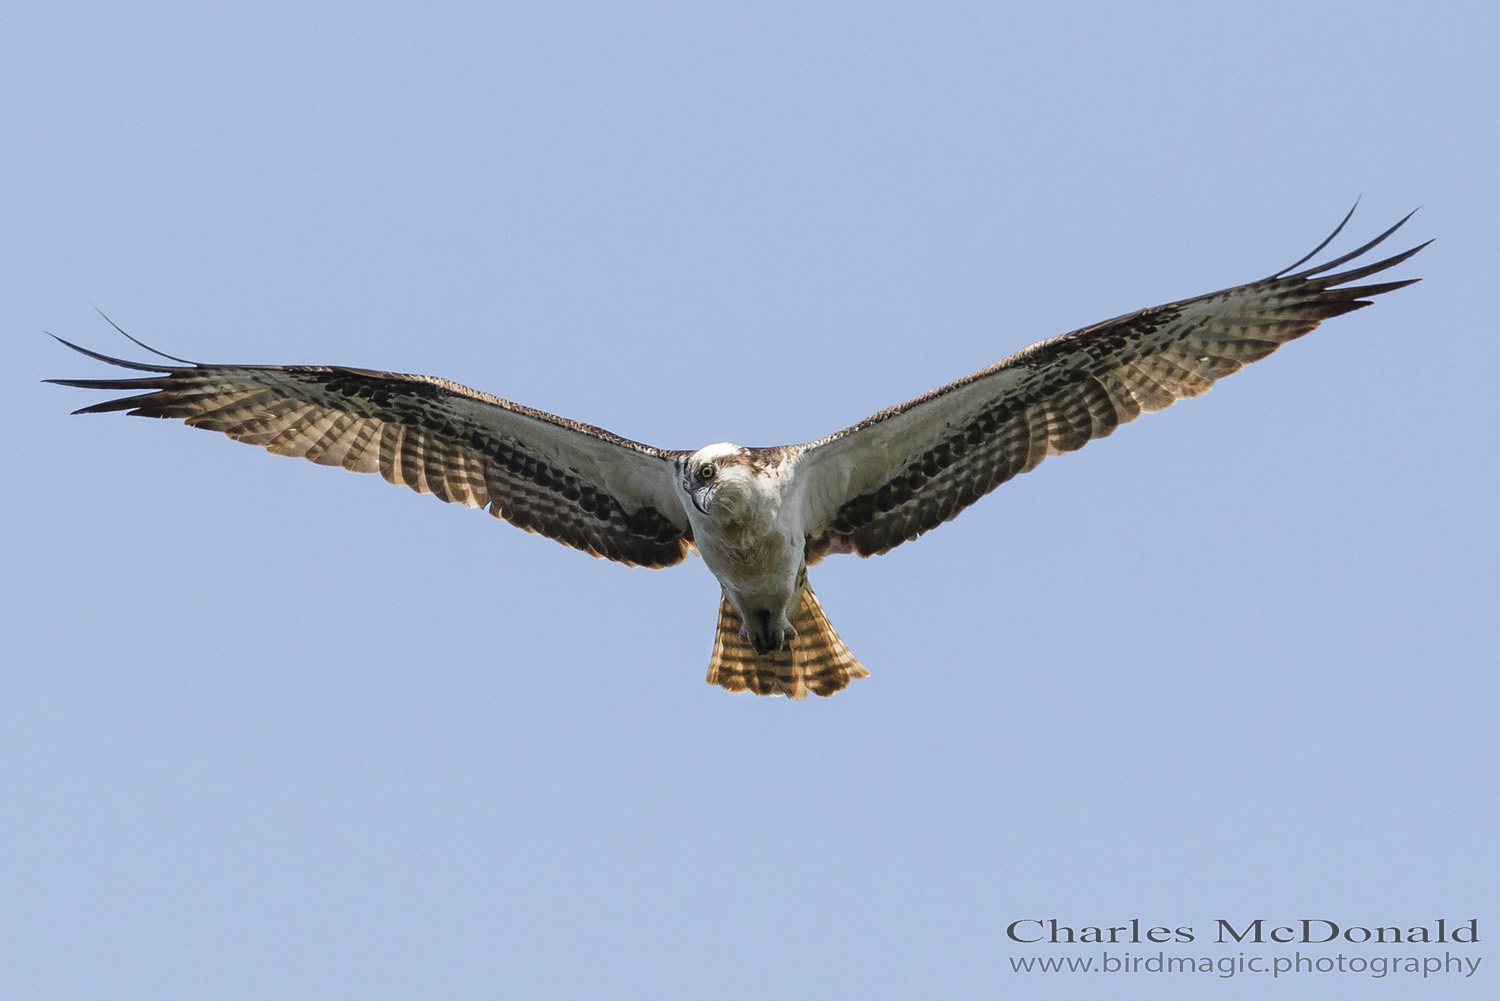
x,y
702,498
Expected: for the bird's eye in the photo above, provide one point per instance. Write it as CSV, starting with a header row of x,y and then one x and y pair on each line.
x,y
707,473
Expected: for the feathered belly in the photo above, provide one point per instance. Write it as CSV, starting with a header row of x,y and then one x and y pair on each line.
x,y
761,567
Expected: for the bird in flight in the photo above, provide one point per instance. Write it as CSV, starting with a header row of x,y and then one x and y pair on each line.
x,y
759,517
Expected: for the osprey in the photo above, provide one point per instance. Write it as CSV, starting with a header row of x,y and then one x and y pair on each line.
x,y
759,517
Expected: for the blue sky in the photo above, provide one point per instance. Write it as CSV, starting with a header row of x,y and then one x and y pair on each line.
x,y
270,730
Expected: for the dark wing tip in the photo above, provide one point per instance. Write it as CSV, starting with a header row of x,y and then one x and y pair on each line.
x,y
140,343
1381,288
1346,258
111,359
158,380
1326,241
118,362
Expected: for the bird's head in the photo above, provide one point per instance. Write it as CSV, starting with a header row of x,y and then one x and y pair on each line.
x,y
710,475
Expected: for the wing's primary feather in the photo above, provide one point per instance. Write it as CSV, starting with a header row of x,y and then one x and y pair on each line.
x,y
578,484
916,465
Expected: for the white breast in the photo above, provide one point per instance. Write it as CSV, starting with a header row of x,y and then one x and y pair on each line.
x,y
750,540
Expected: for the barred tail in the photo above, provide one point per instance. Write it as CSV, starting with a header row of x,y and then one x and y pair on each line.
x,y
815,660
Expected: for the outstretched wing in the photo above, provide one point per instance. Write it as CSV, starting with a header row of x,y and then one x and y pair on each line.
x,y
577,484
908,469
